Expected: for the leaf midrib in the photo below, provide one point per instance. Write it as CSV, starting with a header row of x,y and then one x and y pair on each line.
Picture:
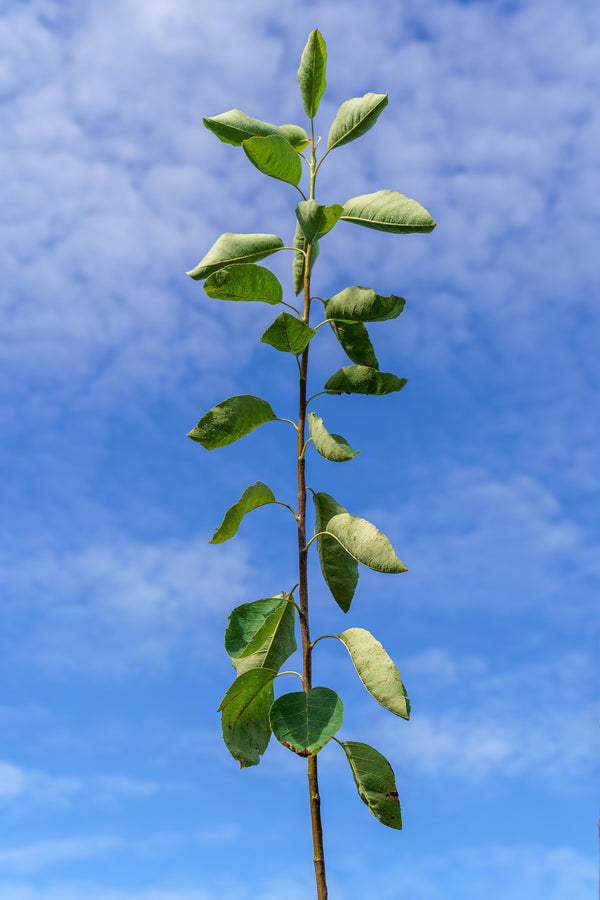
x,y
355,126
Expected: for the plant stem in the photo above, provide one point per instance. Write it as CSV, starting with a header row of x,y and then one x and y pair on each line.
x,y
313,783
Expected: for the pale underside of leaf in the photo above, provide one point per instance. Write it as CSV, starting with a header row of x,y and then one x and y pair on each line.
x,y
245,716
233,249
355,340
388,211
339,568
274,156
289,334
375,782
376,670
354,118
254,496
363,380
360,304
304,721
365,543
331,446
278,642
231,420
244,282
311,74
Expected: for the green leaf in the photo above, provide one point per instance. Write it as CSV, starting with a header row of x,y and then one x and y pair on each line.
x,y
296,135
339,568
279,642
331,446
305,721
354,118
360,304
299,261
234,126
363,380
354,338
289,334
261,634
254,496
388,211
245,716
315,219
233,249
250,624
376,670
231,420
311,74
364,543
244,282
274,156
375,782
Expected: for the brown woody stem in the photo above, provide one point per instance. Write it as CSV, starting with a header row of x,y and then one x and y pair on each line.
x,y
313,782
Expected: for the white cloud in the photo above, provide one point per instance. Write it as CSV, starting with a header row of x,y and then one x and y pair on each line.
x,y
113,183
537,721
20,786
40,854
121,606
75,891
517,541
521,872
12,780
17,783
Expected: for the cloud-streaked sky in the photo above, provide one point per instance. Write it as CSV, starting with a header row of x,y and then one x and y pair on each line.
x,y
483,471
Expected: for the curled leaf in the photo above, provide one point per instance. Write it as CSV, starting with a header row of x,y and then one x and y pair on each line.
x,y
249,625
296,135
339,568
299,261
254,496
354,338
331,446
360,304
261,634
315,219
363,380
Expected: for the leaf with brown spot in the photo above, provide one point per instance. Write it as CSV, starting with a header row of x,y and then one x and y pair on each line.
x,y
375,782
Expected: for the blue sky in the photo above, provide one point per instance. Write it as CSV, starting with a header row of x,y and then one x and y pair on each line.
x,y
483,471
